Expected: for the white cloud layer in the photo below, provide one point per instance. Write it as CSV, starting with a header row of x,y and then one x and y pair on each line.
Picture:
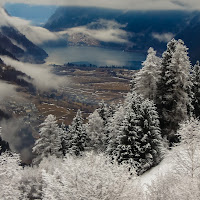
x,y
118,4
13,133
6,90
43,78
110,32
165,37
37,35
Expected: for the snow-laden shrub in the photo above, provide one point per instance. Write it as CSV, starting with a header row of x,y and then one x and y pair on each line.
x,y
10,175
89,177
183,181
31,184
173,187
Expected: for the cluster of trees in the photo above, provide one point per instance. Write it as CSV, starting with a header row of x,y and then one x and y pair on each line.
x,y
168,82
121,141
128,133
90,176
164,93
93,176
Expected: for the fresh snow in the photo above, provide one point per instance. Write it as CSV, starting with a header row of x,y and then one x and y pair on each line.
x,y
163,168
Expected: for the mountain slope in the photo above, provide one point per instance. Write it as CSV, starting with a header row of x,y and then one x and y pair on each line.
x,y
68,17
18,45
14,44
144,28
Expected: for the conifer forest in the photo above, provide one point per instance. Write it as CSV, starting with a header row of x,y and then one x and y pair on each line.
x,y
147,147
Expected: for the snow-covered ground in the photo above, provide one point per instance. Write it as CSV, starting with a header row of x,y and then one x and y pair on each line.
x,y
163,168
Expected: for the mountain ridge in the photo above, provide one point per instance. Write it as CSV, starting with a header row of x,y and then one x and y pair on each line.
x,y
16,45
144,28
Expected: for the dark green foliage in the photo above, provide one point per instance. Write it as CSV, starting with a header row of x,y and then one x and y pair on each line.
x,y
105,112
76,137
139,142
4,146
196,89
173,91
49,142
165,87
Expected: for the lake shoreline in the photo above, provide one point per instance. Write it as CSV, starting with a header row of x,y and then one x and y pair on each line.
x,y
98,56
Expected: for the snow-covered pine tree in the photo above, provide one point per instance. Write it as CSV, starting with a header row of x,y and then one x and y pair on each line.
x,y
196,89
76,138
133,81
164,87
95,131
114,126
105,112
152,141
173,87
139,142
146,79
49,142
62,135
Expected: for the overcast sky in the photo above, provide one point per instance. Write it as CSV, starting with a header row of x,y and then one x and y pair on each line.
x,y
119,4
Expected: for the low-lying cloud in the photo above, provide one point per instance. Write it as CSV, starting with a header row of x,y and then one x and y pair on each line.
x,y
19,136
42,76
109,31
6,90
164,37
119,4
7,20
37,35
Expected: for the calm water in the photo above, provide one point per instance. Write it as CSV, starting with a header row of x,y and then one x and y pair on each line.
x,y
94,55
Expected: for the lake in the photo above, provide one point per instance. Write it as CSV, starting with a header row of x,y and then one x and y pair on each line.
x,y
94,55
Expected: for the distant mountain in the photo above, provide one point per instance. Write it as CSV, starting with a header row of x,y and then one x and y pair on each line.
x,y
3,51
15,45
144,28
13,76
68,17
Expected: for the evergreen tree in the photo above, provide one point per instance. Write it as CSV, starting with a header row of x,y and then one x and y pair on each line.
x,y
147,78
95,131
62,135
196,89
173,89
139,142
133,82
164,87
76,138
4,146
105,112
49,142
114,127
